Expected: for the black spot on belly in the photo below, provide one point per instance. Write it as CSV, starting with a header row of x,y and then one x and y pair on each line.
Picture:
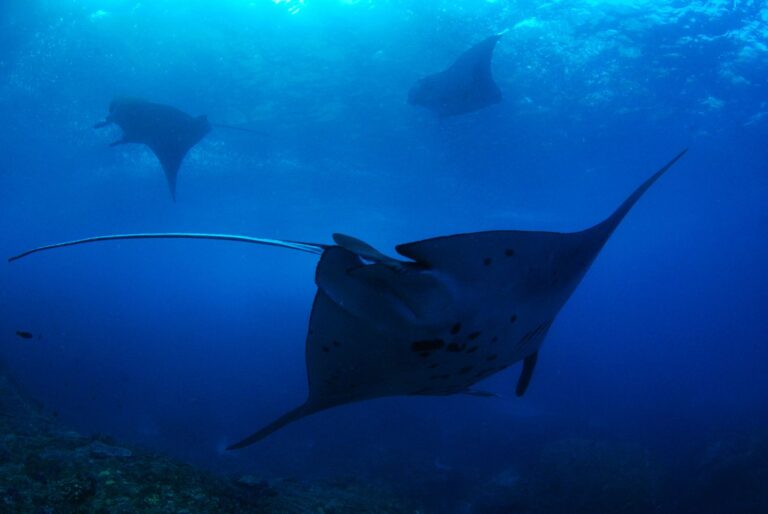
x,y
487,261
336,344
513,318
509,252
456,328
465,369
427,345
492,357
473,336
473,349
494,339
326,349
455,347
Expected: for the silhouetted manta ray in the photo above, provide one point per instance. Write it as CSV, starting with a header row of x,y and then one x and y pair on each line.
x,y
462,308
167,131
466,86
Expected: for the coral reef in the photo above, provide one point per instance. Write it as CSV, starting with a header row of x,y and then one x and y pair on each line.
x,y
47,469
731,476
576,476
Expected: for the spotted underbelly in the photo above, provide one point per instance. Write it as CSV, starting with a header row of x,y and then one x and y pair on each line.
x,y
454,364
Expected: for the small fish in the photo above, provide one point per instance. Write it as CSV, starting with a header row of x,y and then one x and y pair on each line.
x,y
24,334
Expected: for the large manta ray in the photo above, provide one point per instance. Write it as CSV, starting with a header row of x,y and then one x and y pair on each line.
x,y
167,131
460,309
466,86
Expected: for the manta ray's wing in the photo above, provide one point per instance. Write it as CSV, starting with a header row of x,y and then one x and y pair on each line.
x,y
460,253
466,86
473,70
518,279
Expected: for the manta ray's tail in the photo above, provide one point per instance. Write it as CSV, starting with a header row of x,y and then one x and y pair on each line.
x,y
315,248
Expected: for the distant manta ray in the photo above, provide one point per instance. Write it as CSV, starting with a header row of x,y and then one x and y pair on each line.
x,y
462,308
466,86
167,131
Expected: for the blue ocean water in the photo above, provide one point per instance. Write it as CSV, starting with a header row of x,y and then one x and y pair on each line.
x,y
187,346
